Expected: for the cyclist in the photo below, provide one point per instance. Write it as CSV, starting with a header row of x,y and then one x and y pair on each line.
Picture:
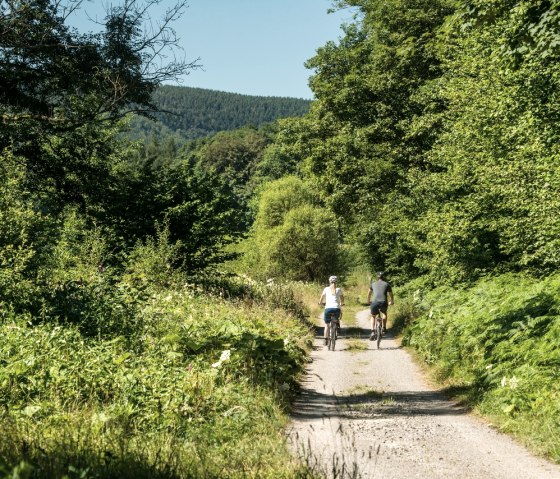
x,y
380,290
334,299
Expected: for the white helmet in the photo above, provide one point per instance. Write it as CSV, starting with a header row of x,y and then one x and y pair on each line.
x,y
333,279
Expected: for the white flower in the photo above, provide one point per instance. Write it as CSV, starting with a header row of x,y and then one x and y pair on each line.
x,y
224,357
504,381
513,382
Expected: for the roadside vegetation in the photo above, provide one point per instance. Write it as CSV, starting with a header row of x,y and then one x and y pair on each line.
x,y
188,384
180,382
494,344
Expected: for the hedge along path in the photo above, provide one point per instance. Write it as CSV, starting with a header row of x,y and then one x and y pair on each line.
x,y
368,413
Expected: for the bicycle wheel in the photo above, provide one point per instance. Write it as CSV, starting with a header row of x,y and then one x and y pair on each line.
x,y
332,335
379,329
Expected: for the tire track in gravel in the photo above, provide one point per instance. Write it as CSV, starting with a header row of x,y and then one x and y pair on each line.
x,y
370,414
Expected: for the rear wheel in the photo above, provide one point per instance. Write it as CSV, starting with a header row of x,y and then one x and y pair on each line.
x,y
379,331
332,335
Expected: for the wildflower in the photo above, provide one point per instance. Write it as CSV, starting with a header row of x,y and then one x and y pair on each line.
x,y
224,357
504,381
513,382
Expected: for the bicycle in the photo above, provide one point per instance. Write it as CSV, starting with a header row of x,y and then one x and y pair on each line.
x,y
332,333
333,326
377,333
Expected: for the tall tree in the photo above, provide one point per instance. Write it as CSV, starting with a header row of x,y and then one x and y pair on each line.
x,y
58,87
490,198
362,135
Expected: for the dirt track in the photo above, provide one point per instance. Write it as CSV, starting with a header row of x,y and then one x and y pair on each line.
x,y
369,414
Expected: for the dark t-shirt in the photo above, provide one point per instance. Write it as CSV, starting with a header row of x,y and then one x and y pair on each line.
x,y
380,289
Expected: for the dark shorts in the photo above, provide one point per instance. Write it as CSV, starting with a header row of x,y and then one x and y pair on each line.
x,y
378,306
328,311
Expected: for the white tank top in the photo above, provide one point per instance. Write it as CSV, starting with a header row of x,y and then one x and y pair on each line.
x,y
332,300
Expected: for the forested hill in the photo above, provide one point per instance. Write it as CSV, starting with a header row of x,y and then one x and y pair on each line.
x,y
198,112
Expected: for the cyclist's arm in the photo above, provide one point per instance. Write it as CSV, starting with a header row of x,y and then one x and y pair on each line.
x,y
321,298
391,297
369,295
341,299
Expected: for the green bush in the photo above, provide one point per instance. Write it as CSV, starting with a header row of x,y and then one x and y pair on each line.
x,y
201,391
293,238
304,247
18,222
497,339
279,198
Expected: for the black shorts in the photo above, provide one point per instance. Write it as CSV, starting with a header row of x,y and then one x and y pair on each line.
x,y
378,306
328,312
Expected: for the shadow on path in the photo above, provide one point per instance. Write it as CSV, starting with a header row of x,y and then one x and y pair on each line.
x,y
311,404
351,333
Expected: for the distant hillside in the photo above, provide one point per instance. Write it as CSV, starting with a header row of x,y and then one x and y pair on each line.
x,y
197,112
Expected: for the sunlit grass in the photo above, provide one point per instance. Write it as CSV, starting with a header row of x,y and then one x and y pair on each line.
x,y
363,391
202,390
356,345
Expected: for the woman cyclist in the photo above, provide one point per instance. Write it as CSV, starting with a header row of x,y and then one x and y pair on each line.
x,y
334,299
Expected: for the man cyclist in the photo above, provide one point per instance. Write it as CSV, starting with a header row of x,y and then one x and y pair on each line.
x,y
381,290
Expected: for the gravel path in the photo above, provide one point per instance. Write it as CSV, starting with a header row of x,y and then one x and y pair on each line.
x,y
369,414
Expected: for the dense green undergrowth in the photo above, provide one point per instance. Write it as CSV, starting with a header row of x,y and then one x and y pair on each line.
x,y
497,342
199,387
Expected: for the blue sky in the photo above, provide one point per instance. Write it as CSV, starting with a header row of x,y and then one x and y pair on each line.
x,y
253,47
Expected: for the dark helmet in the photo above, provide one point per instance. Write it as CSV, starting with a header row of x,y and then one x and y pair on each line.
x,y
381,274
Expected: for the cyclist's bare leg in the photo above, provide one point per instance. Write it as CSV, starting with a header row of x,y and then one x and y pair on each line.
x,y
384,320
372,321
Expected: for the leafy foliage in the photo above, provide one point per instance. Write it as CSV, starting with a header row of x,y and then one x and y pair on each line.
x,y
187,394
235,156
18,223
434,136
293,238
358,141
201,211
504,354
